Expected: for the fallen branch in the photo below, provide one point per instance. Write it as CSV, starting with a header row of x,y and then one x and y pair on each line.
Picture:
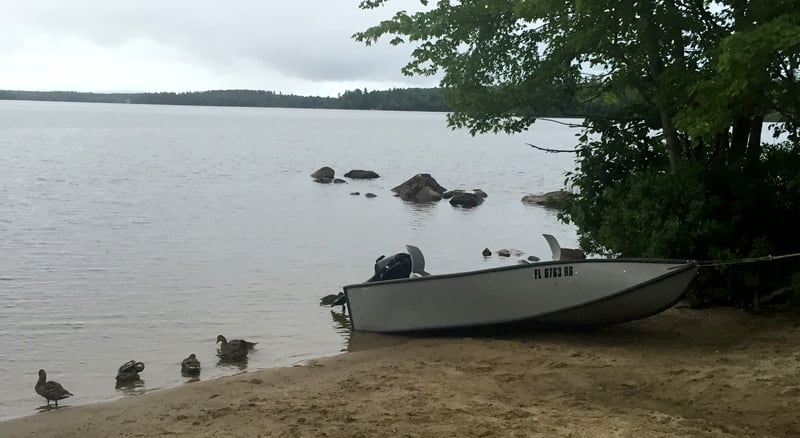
x,y
571,125
574,151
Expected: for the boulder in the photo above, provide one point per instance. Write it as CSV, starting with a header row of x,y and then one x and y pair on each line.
x,y
323,172
370,195
486,252
361,174
412,187
477,192
427,194
355,193
555,199
339,181
466,200
504,253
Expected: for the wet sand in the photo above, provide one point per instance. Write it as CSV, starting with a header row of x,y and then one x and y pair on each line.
x,y
700,373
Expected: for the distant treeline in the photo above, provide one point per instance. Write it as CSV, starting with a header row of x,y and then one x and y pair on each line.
x,y
409,99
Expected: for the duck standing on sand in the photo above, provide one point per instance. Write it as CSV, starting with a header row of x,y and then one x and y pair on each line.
x,y
50,390
190,366
129,371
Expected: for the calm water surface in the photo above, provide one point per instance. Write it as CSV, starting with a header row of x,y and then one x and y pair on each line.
x,y
142,232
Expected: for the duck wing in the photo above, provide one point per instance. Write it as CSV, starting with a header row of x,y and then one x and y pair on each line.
x,y
129,366
54,391
242,344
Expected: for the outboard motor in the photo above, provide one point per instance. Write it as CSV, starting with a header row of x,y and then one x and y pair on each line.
x,y
391,268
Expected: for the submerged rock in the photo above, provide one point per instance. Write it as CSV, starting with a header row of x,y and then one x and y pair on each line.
x,y
323,172
556,199
466,200
418,188
361,174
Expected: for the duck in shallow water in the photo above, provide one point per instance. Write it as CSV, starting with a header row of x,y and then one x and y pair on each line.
x,y
190,366
229,356
129,371
233,351
50,390
235,344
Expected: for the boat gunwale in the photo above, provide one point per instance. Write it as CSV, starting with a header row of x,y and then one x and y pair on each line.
x,y
629,290
679,262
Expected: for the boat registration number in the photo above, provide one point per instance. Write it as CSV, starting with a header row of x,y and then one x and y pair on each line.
x,y
553,272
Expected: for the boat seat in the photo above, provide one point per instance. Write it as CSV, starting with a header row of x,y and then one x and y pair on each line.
x,y
417,261
560,253
555,248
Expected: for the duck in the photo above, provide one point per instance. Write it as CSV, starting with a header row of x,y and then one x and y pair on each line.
x,y
190,365
228,355
233,351
129,371
235,344
50,390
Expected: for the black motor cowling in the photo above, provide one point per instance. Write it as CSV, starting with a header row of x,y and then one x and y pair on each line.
x,y
391,268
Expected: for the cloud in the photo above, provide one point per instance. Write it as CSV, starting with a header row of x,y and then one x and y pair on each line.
x,y
164,44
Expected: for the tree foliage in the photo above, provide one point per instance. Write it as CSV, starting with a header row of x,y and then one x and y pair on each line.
x,y
677,167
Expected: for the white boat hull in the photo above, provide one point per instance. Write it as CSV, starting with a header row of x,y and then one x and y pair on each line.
x,y
573,293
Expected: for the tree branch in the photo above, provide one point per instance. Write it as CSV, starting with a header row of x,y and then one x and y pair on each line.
x,y
573,151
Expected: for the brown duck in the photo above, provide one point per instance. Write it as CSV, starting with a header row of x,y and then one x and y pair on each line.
x,y
235,344
234,350
50,390
190,366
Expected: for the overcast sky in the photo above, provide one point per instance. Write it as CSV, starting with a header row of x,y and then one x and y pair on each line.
x,y
291,46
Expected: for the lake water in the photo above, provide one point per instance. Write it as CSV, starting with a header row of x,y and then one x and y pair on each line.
x,y
142,232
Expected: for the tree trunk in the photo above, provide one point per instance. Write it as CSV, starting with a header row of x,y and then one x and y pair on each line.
x,y
754,143
739,139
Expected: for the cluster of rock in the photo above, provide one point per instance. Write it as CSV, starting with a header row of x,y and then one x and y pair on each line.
x,y
506,252
424,188
326,175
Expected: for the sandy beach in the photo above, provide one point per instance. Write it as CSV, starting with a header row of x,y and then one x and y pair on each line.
x,y
700,373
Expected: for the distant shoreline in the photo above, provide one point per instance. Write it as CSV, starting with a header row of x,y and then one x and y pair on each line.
x,y
409,99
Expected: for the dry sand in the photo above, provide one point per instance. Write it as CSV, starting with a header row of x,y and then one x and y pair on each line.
x,y
709,373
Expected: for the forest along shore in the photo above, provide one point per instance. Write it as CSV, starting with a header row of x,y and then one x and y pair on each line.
x,y
713,372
